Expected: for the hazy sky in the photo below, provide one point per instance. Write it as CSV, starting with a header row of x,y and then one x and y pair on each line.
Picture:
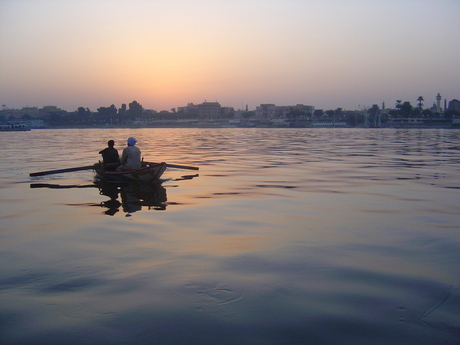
x,y
167,53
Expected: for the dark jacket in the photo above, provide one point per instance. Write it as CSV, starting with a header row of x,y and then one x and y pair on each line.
x,y
110,155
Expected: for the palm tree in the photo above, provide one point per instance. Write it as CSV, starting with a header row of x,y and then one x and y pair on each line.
x,y
420,105
420,102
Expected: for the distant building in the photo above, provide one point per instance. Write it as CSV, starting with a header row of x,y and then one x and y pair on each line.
x,y
454,104
50,110
238,114
270,111
205,109
265,111
209,109
189,108
438,103
282,111
19,113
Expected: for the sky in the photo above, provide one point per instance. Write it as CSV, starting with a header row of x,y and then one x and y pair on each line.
x,y
168,53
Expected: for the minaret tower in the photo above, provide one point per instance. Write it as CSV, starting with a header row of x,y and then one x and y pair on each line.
x,y
438,103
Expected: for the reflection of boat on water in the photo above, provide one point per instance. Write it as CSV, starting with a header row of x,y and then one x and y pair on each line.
x,y
149,172
130,196
134,195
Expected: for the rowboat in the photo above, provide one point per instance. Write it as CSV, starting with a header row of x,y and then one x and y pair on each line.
x,y
149,172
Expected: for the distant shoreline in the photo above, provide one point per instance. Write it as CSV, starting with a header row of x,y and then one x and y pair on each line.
x,y
255,127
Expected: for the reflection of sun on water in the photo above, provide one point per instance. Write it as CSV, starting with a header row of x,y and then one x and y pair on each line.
x,y
230,244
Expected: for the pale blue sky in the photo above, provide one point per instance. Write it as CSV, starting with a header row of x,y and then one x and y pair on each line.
x,y
164,54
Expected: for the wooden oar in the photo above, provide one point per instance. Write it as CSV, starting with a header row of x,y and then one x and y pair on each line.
x,y
59,171
177,166
58,186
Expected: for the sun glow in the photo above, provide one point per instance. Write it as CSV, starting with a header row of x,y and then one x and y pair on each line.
x,y
166,54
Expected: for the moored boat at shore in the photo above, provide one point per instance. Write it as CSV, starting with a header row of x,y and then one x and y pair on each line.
x,y
7,127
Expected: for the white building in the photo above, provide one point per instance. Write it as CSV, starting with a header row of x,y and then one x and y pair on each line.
x,y
266,111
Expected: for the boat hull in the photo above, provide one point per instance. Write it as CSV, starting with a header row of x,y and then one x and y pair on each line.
x,y
151,172
13,128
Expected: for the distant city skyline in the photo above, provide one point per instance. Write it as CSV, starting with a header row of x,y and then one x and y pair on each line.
x,y
392,105
165,54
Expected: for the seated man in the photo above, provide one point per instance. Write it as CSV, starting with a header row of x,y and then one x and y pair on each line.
x,y
110,156
131,156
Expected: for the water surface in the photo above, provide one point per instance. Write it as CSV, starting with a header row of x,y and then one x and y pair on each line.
x,y
286,236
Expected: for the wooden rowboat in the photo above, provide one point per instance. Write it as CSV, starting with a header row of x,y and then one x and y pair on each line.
x,y
150,172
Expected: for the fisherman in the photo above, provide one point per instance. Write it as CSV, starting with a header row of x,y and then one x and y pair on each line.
x,y
131,156
110,156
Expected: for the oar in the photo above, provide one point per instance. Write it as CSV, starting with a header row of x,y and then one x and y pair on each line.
x,y
175,166
58,186
50,172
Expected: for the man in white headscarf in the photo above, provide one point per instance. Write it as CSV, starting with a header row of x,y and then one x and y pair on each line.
x,y
131,156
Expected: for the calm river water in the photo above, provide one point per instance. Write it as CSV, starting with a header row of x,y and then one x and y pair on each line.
x,y
286,236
